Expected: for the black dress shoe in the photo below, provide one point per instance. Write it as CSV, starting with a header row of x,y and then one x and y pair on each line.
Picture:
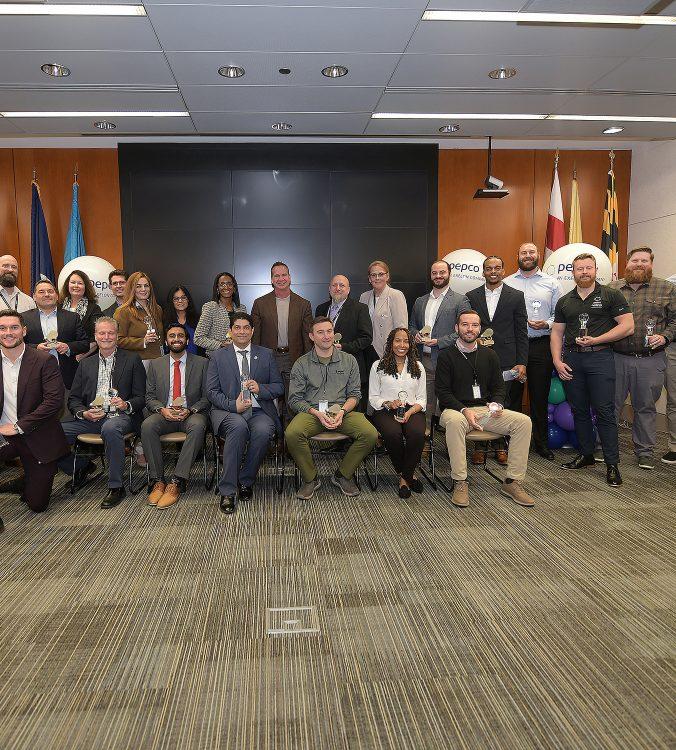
x,y
114,497
416,485
613,476
227,504
404,492
545,452
82,474
579,462
245,493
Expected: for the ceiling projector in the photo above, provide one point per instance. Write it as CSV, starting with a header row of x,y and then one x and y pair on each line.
x,y
493,186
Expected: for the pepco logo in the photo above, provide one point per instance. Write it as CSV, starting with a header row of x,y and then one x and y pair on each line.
x,y
463,267
564,267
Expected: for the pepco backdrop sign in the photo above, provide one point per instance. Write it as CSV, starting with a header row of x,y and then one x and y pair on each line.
x,y
560,264
97,269
466,269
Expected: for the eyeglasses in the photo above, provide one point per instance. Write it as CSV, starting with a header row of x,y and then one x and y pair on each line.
x,y
377,275
180,299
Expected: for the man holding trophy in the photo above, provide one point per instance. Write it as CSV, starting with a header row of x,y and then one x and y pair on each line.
x,y
591,317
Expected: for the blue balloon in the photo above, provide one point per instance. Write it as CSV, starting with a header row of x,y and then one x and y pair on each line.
x,y
550,416
556,437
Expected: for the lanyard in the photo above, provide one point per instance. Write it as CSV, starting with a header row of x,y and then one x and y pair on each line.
x,y
16,301
471,364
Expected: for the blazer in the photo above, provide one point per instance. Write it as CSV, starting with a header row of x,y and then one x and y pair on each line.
x,y
157,383
89,319
129,377
224,383
70,331
354,323
40,394
109,312
264,314
132,330
444,326
213,326
509,324
390,313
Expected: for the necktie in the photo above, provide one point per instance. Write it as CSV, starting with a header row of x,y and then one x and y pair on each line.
x,y
176,390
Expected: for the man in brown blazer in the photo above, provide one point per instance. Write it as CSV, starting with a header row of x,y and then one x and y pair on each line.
x,y
31,399
282,321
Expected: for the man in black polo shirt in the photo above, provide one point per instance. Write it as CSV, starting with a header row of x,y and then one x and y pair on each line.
x,y
471,393
591,317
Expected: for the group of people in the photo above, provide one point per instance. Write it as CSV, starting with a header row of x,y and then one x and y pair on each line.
x,y
362,368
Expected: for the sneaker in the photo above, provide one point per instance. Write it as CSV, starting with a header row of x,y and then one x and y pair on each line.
x,y
307,489
347,486
646,462
598,457
669,458
517,493
460,496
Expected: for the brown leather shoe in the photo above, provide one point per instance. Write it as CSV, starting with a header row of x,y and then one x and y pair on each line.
x,y
171,495
478,457
156,493
460,497
501,456
517,493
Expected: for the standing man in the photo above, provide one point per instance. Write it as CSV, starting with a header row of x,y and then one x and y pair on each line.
x,y
116,378
541,292
12,298
437,311
352,321
324,392
117,281
176,397
29,425
281,322
640,359
670,456
591,317
242,384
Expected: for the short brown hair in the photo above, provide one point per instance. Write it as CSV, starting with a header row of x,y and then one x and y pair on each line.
x,y
320,319
641,250
278,263
467,312
13,314
584,256
45,281
379,263
117,272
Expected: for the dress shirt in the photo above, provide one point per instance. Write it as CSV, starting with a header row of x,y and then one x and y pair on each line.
x,y
48,322
334,310
492,299
10,376
542,288
105,379
383,387
18,301
431,310
182,364
239,353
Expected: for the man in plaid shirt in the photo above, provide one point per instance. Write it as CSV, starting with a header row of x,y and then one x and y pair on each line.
x,y
640,359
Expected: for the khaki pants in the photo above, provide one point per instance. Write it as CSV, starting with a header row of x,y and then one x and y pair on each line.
x,y
518,426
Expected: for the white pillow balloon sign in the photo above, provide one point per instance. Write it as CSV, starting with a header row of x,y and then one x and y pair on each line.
x,y
97,269
560,264
466,269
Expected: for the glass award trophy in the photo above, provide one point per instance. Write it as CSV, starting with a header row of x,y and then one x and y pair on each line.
x,y
649,331
584,320
112,410
97,405
426,333
486,338
337,338
246,393
178,404
51,339
536,305
333,410
401,409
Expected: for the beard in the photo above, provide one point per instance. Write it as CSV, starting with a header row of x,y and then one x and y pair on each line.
x,y
585,283
8,279
440,283
527,264
638,275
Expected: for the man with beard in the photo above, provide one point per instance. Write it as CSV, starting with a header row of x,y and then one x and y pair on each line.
x,y
471,393
541,292
12,298
670,384
591,317
640,359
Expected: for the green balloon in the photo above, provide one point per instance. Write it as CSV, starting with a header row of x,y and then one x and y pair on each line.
x,y
556,393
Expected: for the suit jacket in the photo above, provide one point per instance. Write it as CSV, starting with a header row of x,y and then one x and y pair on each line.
x,y
390,313
264,314
224,383
157,383
70,331
128,377
40,400
444,326
354,323
509,324
109,312
89,319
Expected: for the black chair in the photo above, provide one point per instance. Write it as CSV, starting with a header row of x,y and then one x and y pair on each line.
x,y
90,441
178,438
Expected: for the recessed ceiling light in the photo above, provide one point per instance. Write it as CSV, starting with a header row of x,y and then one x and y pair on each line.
x,y
284,71
569,18
60,9
231,71
502,73
334,71
105,125
55,70
281,126
612,130
449,128
94,114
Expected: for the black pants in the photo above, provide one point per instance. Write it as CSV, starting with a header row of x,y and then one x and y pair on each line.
x,y
404,442
38,477
539,372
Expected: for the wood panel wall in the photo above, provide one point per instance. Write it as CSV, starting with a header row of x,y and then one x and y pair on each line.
x,y
498,227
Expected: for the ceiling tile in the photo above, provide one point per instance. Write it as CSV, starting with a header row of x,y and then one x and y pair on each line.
x,y
619,7
504,5
430,128
261,123
641,75
467,103
85,100
8,127
632,130
617,104
125,126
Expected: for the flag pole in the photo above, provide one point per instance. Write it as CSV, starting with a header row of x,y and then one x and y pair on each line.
x,y
77,170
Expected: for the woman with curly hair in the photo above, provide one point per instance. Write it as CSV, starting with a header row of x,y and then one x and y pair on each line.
x,y
139,319
398,394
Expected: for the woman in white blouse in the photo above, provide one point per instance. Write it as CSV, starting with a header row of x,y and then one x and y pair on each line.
x,y
387,306
398,394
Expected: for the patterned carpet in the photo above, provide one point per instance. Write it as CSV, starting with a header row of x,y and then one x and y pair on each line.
x,y
490,627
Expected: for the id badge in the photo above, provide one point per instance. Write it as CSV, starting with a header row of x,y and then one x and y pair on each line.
x,y
476,391
323,406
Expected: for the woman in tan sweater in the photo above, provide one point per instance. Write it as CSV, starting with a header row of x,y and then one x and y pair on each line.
x,y
139,319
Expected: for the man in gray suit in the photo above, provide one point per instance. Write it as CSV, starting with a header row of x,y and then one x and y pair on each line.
x,y
176,394
438,311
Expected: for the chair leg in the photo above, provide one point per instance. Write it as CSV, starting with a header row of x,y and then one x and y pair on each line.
x,y
72,478
488,470
207,483
372,481
279,466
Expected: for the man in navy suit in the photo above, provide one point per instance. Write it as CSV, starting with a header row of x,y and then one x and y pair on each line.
x,y
242,382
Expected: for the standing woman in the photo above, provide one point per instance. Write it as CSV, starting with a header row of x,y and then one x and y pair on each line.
x,y
212,331
387,307
180,308
77,295
398,394
139,319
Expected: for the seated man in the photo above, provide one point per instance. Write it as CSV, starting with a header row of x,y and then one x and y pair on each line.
x,y
242,383
471,393
176,395
107,398
323,378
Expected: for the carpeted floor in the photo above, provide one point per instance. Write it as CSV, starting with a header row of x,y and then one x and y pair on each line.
x,y
491,627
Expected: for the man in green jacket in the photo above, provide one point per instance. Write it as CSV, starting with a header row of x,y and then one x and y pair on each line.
x,y
324,390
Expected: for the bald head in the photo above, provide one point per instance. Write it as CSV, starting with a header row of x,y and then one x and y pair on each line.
x,y
339,288
528,257
9,271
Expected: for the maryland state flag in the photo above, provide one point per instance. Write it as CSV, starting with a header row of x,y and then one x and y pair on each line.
x,y
610,231
41,254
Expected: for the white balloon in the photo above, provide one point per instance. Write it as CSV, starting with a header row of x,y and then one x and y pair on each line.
x,y
560,264
97,269
466,269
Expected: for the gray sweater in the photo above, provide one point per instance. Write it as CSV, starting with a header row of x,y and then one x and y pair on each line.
x,y
312,381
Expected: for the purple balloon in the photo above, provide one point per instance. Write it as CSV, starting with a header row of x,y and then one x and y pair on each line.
x,y
550,417
550,409
563,416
